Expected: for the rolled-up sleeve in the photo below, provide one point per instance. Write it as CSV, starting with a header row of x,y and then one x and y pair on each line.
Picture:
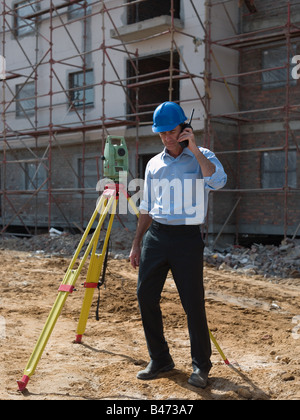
x,y
219,178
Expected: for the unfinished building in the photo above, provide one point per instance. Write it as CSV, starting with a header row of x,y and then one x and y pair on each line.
x,y
261,137
76,71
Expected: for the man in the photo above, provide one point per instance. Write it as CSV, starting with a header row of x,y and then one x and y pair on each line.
x,y
177,183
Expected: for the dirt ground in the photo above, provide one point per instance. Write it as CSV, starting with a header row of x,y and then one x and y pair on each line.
x,y
253,319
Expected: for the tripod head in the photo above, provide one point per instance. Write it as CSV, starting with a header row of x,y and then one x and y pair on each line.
x,y
115,157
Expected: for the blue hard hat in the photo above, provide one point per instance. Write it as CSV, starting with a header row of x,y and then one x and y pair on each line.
x,y
167,116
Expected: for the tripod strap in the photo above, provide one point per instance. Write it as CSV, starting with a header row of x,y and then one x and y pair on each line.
x,y
66,288
98,306
101,282
90,285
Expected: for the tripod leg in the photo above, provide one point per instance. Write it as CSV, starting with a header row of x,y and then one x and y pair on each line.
x,y
65,288
98,210
219,349
133,206
94,273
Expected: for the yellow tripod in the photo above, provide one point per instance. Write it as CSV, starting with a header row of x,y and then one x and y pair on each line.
x,y
107,203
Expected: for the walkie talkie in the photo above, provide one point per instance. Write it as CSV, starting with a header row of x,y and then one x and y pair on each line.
x,y
185,143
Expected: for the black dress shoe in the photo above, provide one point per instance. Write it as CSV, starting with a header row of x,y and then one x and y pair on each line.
x,y
154,368
199,378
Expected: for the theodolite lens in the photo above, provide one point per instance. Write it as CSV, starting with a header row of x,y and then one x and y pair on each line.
x,y
121,152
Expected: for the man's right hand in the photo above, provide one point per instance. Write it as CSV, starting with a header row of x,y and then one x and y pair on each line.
x,y
143,224
135,256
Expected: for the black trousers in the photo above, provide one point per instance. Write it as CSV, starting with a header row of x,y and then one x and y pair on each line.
x,y
179,249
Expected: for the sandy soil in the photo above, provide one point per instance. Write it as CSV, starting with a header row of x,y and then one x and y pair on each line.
x,y
252,319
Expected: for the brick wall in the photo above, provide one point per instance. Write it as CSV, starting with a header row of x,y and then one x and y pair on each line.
x,y
253,95
259,212
269,14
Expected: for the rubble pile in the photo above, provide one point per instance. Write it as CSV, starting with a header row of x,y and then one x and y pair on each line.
x,y
269,261
281,261
64,244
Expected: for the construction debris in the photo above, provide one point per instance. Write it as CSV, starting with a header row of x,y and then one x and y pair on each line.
x,y
281,261
269,261
64,244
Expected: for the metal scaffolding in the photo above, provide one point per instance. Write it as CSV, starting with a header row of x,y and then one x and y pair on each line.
x,y
39,138
30,136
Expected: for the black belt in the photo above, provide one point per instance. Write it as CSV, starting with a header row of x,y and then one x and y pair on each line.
x,y
175,228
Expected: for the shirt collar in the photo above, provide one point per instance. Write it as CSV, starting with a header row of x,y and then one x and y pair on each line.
x,y
185,151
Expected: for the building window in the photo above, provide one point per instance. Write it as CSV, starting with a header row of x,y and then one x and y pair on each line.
x,y
81,90
77,10
89,170
153,84
273,169
25,102
35,176
150,9
22,9
276,57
